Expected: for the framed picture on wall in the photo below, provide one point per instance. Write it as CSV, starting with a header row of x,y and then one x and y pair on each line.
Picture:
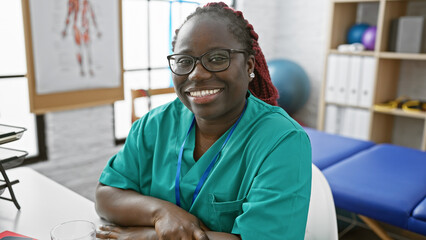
x,y
74,53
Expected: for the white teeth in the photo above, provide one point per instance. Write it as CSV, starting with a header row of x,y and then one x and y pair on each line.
x,y
203,93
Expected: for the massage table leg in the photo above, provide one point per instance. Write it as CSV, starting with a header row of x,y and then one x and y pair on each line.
x,y
374,225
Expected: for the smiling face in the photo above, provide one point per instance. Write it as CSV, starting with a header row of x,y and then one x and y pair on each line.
x,y
212,96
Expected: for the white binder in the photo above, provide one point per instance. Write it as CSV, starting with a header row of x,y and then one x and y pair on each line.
x,y
342,78
331,124
332,66
354,81
361,124
348,120
367,82
364,116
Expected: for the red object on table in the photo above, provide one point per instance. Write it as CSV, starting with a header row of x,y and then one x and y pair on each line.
x,y
8,235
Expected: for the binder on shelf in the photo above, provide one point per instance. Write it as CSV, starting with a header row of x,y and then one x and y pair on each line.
x,y
367,82
361,125
357,124
331,88
354,80
364,124
331,124
348,120
393,32
342,78
409,33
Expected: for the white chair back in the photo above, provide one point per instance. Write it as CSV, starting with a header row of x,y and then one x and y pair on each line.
x,y
322,221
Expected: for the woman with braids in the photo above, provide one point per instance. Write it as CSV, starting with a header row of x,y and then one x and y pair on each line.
x,y
219,162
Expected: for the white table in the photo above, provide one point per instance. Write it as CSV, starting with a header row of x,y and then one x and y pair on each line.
x,y
44,204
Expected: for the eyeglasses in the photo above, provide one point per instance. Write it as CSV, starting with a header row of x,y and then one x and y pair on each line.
x,y
216,60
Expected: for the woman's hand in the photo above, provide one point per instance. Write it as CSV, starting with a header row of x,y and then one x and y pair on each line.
x,y
173,231
129,208
173,222
126,233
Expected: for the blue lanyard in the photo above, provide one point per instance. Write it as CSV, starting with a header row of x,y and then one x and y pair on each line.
x,y
209,168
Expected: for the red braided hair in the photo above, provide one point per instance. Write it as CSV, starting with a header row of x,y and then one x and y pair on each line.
x,y
261,86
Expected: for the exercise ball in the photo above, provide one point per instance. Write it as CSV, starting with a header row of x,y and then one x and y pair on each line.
x,y
369,38
355,33
292,84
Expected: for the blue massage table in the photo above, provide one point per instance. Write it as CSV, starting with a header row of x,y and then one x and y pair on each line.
x,y
377,181
328,149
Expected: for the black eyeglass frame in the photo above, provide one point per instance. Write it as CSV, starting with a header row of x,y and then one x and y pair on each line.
x,y
195,59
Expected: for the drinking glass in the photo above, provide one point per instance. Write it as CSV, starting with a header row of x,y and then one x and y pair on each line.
x,y
74,230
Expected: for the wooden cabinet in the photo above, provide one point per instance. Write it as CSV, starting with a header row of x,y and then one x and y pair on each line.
x,y
387,74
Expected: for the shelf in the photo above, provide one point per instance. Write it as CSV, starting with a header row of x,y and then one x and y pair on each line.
x,y
399,112
10,133
352,1
362,53
346,105
403,56
403,0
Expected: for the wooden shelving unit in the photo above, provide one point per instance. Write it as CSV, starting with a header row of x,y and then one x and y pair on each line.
x,y
362,53
399,112
402,56
343,16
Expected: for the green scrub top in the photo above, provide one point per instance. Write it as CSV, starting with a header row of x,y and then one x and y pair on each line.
x,y
259,187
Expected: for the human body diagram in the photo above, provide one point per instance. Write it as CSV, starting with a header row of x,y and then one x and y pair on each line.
x,y
81,16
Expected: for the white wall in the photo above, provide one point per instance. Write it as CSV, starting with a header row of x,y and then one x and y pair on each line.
x,y
294,30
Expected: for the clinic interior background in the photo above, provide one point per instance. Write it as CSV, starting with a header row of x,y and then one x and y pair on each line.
x,y
296,30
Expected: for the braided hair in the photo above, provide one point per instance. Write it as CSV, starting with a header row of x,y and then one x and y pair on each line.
x,y
261,85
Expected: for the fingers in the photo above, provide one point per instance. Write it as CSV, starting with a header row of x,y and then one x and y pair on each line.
x,y
106,235
200,235
108,232
182,233
204,227
192,232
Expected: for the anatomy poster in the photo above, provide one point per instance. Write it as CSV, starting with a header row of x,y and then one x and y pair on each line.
x,y
76,44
